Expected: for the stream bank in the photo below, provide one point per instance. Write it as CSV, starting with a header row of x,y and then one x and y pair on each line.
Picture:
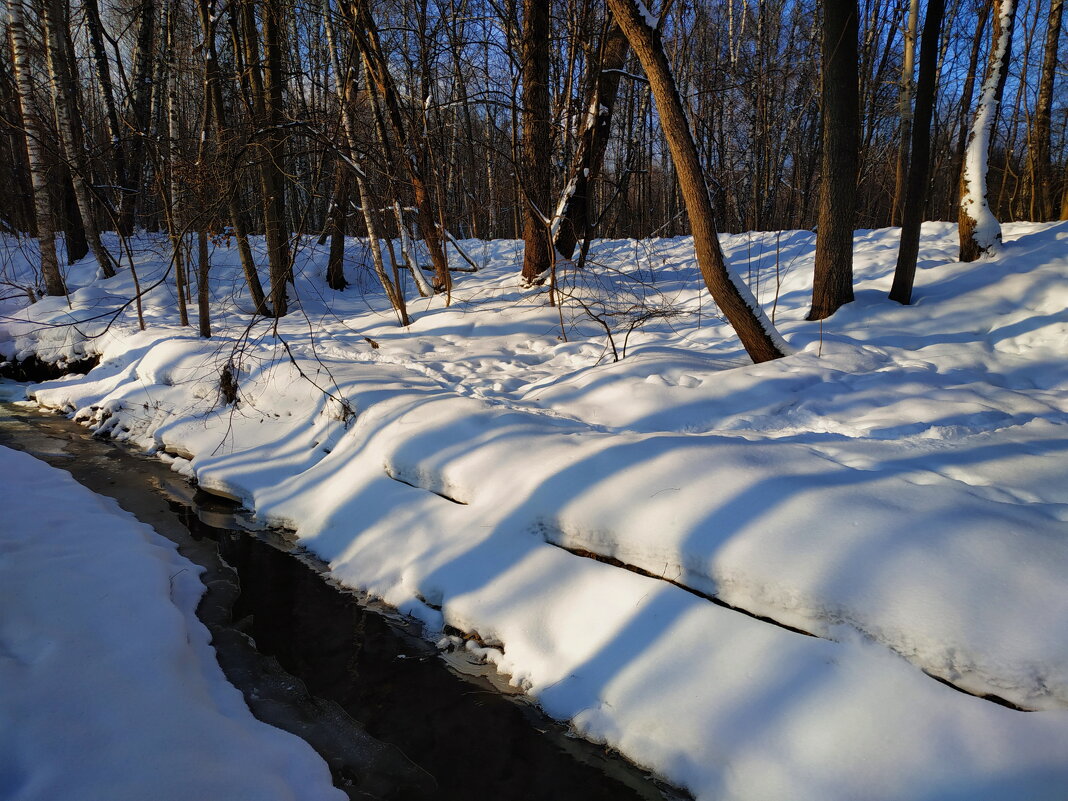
x,y
391,715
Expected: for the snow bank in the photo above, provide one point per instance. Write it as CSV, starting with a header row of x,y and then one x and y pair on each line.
x,y
895,487
110,688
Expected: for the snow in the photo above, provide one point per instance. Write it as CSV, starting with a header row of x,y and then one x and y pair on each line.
x,y
651,19
895,486
110,688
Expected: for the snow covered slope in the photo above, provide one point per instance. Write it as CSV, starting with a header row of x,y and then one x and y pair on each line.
x,y
896,487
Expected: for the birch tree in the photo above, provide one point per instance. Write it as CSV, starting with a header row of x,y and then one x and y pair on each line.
x,y
68,122
979,229
46,226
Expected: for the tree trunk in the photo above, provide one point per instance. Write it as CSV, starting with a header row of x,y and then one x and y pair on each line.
x,y
345,87
203,287
979,230
216,112
733,297
365,33
335,265
396,298
908,251
1040,176
68,121
267,150
536,155
70,219
274,208
174,201
573,215
138,114
46,226
832,284
966,99
107,90
905,111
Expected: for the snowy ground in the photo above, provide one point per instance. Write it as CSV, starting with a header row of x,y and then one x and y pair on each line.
x,y
109,688
895,487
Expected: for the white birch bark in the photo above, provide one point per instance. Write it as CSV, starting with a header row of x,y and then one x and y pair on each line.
x,y
46,226
980,231
65,108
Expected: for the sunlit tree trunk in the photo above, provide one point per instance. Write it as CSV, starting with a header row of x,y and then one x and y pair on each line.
x,y
536,156
980,232
966,99
1040,174
730,293
384,90
345,86
573,213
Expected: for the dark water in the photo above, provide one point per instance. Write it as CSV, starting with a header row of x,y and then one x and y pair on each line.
x,y
393,717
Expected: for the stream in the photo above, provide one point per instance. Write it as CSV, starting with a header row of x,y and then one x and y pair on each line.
x,y
394,717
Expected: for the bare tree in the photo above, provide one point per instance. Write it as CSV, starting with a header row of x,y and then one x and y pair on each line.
x,y
832,284
138,110
537,247
573,211
68,121
173,193
102,72
46,228
365,33
916,193
1039,169
964,115
345,87
733,297
980,232
265,91
908,88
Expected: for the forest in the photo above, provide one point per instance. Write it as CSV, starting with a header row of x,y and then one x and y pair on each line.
x,y
687,378
428,122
